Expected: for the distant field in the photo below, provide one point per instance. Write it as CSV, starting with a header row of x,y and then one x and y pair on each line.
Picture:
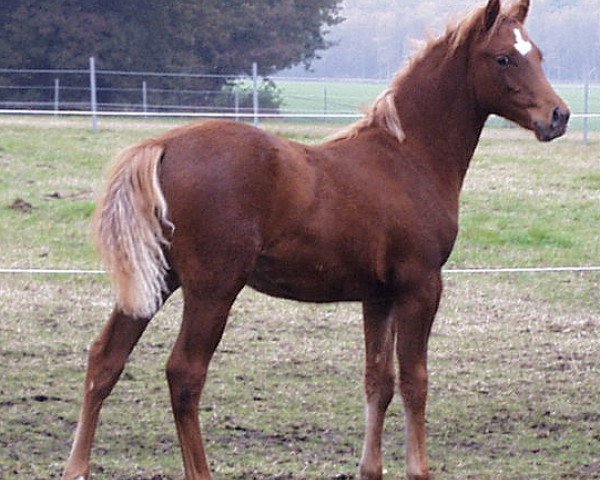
x,y
352,96
330,96
513,358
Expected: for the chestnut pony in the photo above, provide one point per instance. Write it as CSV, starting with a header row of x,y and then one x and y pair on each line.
x,y
370,216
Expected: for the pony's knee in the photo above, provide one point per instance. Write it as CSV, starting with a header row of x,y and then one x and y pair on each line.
x,y
183,374
413,385
186,383
380,390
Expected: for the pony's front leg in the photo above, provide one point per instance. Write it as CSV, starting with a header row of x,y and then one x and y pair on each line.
x,y
414,317
379,383
107,358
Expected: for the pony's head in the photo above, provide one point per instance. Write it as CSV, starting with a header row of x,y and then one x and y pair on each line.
x,y
506,73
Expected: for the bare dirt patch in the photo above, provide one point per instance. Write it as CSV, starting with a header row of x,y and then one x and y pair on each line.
x,y
21,206
85,194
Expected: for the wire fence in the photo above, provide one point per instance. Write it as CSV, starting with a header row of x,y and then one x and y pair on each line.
x,y
448,271
95,92
64,91
92,91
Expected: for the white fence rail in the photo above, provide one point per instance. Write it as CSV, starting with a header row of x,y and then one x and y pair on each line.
x,y
95,93
449,271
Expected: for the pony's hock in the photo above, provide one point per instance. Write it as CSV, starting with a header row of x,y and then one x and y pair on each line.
x,y
369,216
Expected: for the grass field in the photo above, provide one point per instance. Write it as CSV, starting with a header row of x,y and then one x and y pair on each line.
x,y
514,358
353,96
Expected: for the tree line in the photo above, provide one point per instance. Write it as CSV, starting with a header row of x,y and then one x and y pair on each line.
x,y
208,36
370,38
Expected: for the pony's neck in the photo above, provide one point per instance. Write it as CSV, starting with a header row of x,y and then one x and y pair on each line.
x,y
437,106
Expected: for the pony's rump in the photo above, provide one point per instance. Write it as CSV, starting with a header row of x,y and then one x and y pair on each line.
x,y
128,229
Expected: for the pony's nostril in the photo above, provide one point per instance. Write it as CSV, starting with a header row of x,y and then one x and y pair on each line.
x,y
556,115
560,117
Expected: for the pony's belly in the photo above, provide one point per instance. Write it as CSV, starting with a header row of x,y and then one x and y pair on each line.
x,y
302,290
310,281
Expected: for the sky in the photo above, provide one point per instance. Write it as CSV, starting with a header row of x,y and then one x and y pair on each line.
x,y
376,38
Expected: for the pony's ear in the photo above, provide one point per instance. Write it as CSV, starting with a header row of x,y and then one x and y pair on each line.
x,y
519,11
492,10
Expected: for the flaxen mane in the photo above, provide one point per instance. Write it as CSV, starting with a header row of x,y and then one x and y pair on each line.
x,y
383,113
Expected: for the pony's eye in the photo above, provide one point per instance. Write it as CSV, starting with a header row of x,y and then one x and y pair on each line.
x,y
503,60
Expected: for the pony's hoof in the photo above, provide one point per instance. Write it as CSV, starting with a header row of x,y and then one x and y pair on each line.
x,y
369,475
78,477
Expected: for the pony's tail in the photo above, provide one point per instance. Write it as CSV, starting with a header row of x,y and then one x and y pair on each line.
x,y
128,230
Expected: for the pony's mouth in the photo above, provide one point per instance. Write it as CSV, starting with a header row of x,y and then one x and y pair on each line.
x,y
556,128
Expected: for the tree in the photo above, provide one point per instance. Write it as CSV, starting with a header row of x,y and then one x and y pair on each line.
x,y
229,36
208,36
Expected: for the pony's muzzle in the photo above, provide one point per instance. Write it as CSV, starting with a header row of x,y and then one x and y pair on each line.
x,y
556,127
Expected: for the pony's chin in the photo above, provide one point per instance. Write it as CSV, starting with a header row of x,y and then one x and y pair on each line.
x,y
547,134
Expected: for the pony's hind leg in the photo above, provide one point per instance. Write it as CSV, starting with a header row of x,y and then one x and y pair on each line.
x,y
106,361
379,383
204,319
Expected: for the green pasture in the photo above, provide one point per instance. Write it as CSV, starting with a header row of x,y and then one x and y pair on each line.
x,y
354,96
328,96
513,357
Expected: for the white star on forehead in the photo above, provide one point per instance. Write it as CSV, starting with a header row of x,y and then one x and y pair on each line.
x,y
523,46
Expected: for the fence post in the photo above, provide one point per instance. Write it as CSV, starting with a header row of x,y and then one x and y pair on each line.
x,y
255,92
145,98
325,100
236,102
56,94
586,105
93,95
